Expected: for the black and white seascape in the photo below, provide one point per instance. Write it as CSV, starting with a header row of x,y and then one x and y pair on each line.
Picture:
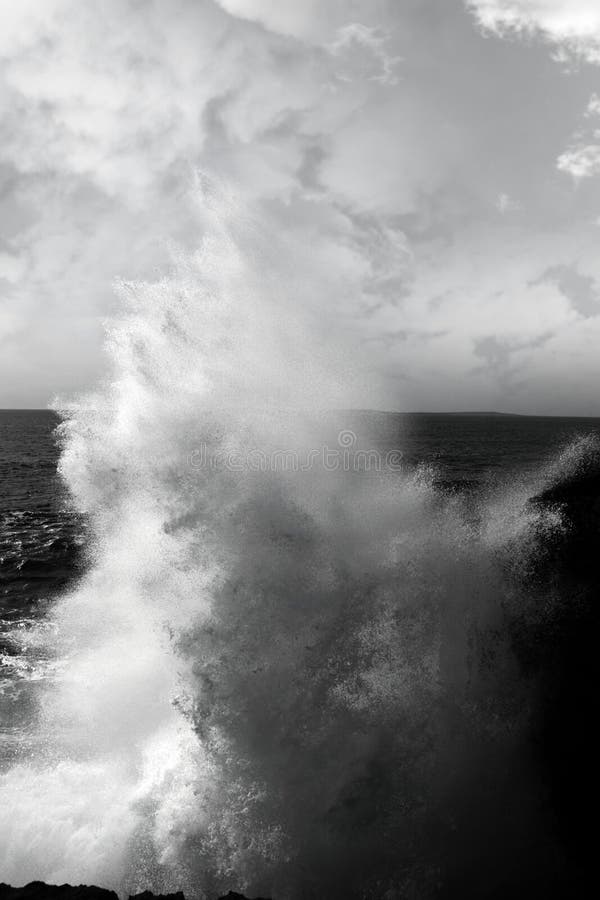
x,y
299,447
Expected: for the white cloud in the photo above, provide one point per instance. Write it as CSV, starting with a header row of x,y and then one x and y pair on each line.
x,y
83,99
582,158
582,161
593,107
109,111
11,267
506,204
357,156
363,50
573,26
310,20
122,99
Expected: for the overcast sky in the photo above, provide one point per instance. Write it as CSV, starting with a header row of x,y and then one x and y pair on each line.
x,y
445,152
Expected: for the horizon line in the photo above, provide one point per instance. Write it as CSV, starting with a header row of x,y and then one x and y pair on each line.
x,y
388,412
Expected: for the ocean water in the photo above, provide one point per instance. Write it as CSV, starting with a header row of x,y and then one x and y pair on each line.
x,y
41,543
426,782
250,645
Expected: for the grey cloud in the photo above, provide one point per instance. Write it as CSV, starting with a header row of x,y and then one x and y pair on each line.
x,y
392,338
496,353
498,356
582,291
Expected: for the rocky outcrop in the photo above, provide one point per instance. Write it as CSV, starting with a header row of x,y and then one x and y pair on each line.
x,y
37,890
233,896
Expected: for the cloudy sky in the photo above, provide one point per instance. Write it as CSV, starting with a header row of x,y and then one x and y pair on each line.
x,y
443,154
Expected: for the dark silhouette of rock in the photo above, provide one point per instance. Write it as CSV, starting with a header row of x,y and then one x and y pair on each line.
x,y
562,653
233,896
148,895
37,890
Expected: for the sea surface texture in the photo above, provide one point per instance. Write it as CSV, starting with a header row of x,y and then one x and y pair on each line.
x,y
41,542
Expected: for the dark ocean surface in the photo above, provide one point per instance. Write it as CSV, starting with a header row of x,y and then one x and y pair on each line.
x,y
41,541
473,450
40,535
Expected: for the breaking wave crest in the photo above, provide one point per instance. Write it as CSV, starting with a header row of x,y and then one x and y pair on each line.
x,y
295,683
